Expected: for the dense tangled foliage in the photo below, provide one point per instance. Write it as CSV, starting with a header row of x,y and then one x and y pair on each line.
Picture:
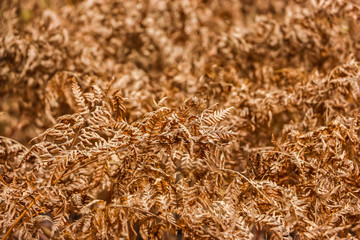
x,y
180,119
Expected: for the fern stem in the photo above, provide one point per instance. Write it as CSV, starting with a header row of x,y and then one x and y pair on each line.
x,y
20,217
248,180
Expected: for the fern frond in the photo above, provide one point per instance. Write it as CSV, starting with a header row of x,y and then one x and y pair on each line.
x,y
217,116
79,98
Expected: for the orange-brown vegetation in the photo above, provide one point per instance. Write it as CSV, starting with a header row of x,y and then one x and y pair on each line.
x,y
174,119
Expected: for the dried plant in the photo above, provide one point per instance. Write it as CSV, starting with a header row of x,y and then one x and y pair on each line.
x,y
179,119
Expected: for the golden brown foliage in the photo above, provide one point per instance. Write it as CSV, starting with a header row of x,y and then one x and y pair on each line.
x,y
179,119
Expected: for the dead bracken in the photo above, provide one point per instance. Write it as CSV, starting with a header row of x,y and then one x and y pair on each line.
x,y
179,119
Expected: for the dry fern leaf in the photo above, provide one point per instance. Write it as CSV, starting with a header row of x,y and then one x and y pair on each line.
x,y
80,100
217,116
